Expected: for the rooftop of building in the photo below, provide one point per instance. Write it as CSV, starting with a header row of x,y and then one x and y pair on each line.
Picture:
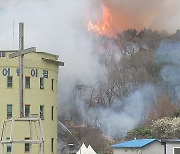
x,y
52,60
36,52
137,143
170,140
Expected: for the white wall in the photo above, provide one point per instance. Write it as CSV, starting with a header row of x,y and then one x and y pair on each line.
x,y
153,148
170,147
127,150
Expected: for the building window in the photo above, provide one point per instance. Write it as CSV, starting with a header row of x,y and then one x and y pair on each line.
x,y
52,113
52,144
52,84
2,54
176,150
27,110
9,81
8,145
27,82
42,112
9,111
27,146
41,83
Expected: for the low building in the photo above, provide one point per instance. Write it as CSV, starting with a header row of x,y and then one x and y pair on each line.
x,y
139,146
171,146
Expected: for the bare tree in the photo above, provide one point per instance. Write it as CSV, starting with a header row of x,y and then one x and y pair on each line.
x,y
162,108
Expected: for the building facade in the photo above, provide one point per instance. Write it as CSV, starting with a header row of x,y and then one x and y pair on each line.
x,y
40,99
171,146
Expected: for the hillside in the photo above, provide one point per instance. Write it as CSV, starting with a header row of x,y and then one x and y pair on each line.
x,y
138,83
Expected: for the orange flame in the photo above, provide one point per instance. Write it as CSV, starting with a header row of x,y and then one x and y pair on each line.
x,y
103,26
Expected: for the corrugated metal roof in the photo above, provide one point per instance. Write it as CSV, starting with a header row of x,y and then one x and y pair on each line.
x,y
139,143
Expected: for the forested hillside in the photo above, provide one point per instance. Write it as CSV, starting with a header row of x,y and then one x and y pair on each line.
x,y
140,85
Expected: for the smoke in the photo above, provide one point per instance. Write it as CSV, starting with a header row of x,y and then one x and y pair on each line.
x,y
169,55
60,27
55,26
136,107
124,114
153,14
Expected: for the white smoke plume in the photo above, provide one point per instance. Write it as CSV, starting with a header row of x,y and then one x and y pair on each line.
x,y
169,55
56,26
124,114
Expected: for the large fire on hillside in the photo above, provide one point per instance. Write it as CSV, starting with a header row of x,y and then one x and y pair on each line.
x,y
120,15
102,26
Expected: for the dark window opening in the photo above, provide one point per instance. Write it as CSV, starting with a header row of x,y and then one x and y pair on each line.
x,y
41,83
42,112
9,111
27,146
2,54
27,82
9,81
27,110
52,144
52,113
52,85
176,150
8,145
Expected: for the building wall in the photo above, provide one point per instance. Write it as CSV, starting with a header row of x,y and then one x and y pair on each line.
x,y
152,148
125,151
35,68
170,147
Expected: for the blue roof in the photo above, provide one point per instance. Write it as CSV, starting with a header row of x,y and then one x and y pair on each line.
x,y
139,143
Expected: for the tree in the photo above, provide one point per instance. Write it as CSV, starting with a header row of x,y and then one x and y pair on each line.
x,y
166,128
139,133
162,108
150,38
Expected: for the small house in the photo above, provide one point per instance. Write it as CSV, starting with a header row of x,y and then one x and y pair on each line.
x,y
139,146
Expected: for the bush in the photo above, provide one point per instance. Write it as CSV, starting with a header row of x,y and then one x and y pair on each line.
x,y
166,128
140,132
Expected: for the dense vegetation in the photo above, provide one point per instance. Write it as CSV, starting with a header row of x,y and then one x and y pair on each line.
x,y
131,60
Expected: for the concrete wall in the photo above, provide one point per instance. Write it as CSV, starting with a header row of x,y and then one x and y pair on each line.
x,y
34,96
152,148
125,151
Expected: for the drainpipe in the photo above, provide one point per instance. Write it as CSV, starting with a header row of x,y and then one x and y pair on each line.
x,y
164,148
164,143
